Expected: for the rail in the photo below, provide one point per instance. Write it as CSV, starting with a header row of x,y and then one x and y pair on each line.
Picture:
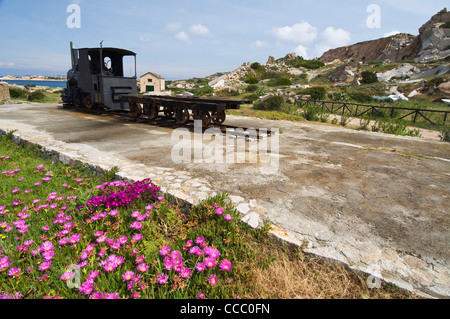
x,y
357,110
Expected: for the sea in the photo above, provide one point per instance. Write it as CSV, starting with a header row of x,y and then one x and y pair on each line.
x,y
50,84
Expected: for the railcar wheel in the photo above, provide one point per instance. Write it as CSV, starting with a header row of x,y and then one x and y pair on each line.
x,y
206,119
136,109
218,117
168,112
182,116
151,111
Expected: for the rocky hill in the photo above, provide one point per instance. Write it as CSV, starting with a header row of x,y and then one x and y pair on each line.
x,y
432,43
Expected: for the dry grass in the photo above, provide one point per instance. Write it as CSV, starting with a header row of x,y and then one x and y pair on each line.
x,y
284,274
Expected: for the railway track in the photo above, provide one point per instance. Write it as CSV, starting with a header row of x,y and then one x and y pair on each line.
x,y
170,122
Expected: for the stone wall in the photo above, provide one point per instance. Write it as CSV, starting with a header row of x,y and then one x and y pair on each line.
x,y
4,92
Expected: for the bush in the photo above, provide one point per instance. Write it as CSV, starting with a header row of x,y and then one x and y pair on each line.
x,y
279,82
17,93
251,78
251,88
36,95
311,113
256,66
203,90
317,92
361,97
369,77
271,104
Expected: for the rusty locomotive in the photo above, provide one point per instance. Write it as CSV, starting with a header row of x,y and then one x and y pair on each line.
x,y
96,81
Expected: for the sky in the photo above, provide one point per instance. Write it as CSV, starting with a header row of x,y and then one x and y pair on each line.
x,y
187,39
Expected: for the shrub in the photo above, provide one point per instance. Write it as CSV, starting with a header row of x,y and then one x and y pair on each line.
x,y
279,82
251,88
36,95
317,92
271,104
17,93
256,66
361,97
445,133
203,90
369,77
311,113
251,78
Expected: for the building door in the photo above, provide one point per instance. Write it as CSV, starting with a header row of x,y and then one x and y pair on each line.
x,y
149,88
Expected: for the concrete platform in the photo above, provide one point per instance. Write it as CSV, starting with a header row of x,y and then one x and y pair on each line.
x,y
379,203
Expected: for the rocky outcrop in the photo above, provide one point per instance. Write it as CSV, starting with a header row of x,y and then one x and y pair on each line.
x,y
432,43
347,73
397,47
435,37
4,92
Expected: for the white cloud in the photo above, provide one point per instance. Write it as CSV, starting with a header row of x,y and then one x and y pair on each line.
x,y
173,27
301,51
199,29
391,33
332,38
336,37
184,37
7,64
300,32
258,44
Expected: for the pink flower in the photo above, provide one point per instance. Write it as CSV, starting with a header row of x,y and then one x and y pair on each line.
x,y
114,212
201,295
45,265
67,275
200,266
127,276
225,265
46,179
219,211
99,233
210,262
136,238
212,280
142,267
228,217
162,279
136,225
14,272
15,190
135,214
164,251
185,272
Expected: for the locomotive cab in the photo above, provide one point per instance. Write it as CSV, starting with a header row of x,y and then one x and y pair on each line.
x,y
97,78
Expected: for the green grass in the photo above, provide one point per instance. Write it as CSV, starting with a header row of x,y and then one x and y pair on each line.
x,y
69,199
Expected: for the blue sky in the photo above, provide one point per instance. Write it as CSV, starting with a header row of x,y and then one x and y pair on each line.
x,y
185,39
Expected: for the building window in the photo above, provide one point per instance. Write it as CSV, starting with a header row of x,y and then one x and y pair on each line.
x,y
150,80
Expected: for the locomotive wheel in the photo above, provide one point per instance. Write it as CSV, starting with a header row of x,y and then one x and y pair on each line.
x,y
206,119
152,111
218,117
77,101
182,116
88,102
168,112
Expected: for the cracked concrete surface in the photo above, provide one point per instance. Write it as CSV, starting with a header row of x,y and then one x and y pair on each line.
x,y
376,202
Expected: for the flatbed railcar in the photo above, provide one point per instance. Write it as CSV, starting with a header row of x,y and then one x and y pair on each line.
x,y
96,81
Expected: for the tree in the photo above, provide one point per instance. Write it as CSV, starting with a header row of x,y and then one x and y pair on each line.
x,y
369,77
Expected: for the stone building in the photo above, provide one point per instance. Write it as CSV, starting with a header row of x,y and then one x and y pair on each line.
x,y
152,82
